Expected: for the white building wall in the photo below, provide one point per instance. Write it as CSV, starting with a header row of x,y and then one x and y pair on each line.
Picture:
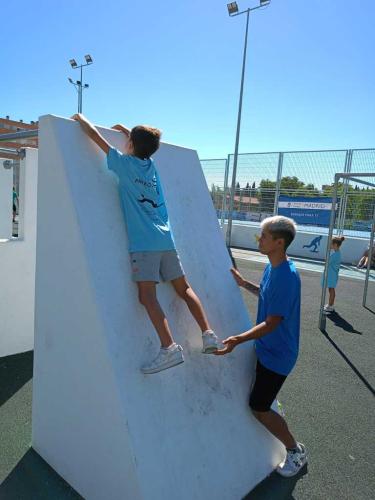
x,y
17,267
6,186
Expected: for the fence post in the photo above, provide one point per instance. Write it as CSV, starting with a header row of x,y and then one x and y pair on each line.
x,y
228,234
344,201
278,183
370,252
224,204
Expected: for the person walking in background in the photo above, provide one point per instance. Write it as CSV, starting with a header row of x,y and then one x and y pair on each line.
x,y
333,272
15,204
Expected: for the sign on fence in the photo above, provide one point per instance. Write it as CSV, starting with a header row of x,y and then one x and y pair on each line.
x,y
316,211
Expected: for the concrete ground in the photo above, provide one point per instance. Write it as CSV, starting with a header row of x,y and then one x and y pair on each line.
x,y
328,401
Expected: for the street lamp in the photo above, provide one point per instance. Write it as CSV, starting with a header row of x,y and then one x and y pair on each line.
x,y
233,11
79,86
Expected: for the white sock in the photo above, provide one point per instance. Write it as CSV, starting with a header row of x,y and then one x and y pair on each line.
x,y
207,332
171,347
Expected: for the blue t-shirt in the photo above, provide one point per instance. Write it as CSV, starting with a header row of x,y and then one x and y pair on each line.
x,y
280,295
333,269
143,203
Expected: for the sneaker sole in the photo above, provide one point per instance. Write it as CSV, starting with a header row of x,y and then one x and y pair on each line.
x,y
162,368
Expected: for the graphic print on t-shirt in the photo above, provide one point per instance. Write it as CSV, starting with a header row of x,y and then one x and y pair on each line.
x,y
146,200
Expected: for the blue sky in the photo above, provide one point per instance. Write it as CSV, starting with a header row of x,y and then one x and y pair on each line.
x,y
310,80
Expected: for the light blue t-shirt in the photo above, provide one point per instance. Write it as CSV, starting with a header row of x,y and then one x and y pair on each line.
x,y
333,269
280,295
143,203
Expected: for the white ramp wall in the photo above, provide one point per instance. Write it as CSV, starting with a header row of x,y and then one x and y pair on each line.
x,y
6,186
110,431
17,266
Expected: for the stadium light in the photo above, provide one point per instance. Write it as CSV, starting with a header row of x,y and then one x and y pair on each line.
x,y
79,85
232,8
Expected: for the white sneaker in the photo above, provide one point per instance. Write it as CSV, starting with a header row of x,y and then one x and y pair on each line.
x,y
210,342
166,358
293,462
327,309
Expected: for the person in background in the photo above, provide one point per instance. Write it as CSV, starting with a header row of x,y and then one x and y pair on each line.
x,y
333,272
363,261
15,203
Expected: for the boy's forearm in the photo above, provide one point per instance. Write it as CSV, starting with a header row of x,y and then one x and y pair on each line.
x,y
122,128
88,128
91,131
256,332
251,287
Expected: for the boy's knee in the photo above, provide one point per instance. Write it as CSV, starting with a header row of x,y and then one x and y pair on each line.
x,y
146,298
183,292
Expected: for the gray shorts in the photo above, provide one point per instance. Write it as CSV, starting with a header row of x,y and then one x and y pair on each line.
x,y
156,266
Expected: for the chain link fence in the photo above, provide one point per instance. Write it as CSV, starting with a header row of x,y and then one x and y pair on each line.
x,y
267,182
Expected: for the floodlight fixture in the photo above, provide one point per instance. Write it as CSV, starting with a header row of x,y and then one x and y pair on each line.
x,y
79,85
232,8
264,3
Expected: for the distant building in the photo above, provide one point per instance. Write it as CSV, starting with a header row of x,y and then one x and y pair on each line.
x,y
7,126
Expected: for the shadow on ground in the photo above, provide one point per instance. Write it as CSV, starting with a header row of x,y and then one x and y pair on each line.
x,y
340,322
276,487
33,479
15,371
347,360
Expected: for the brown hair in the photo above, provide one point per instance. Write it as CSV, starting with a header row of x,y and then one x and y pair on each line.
x,y
337,240
146,140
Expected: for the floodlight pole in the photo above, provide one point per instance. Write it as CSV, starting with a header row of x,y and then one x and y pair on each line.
x,y
322,317
369,259
79,85
235,159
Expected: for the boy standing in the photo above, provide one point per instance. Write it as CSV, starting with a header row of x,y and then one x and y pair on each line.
x,y
151,245
276,334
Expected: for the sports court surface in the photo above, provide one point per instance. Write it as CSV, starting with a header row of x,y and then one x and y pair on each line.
x,y
328,400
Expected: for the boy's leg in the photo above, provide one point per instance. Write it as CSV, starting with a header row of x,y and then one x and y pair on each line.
x,y
147,297
184,290
332,295
277,426
266,387
171,270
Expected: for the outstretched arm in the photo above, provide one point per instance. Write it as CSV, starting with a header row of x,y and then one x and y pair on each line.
x,y
256,332
122,128
248,285
92,132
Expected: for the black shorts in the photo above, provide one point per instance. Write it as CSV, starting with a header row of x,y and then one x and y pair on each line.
x,y
266,386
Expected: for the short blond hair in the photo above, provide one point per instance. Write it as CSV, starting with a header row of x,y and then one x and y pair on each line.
x,y
280,227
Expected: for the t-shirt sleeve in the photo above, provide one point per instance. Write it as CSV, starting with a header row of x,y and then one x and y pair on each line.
x,y
114,161
281,298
